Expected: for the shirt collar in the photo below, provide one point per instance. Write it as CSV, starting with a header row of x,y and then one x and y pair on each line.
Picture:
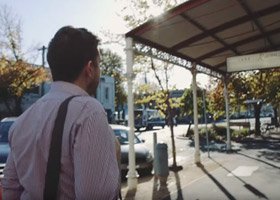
x,y
67,87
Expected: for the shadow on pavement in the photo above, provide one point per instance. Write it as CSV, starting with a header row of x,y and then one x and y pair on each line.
x,y
160,191
257,159
178,185
248,186
130,194
269,148
222,188
270,155
261,142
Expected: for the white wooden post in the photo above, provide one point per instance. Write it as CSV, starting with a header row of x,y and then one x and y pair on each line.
x,y
132,173
195,118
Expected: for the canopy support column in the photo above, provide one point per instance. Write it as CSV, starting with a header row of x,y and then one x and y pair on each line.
x,y
132,173
227,112
195,115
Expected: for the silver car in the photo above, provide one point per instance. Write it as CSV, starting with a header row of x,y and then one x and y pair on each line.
x,y
144,158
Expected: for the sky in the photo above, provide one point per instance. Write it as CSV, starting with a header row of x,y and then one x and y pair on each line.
x,y
40,20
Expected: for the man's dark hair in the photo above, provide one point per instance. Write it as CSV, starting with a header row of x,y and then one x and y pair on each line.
x,y
69,51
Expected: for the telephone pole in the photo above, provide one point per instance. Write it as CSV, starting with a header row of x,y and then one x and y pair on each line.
x,y
43,49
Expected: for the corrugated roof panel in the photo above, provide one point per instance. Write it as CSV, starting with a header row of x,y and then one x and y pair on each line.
x,y
206,31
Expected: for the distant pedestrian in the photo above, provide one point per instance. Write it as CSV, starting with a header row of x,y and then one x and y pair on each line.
x,y
89,167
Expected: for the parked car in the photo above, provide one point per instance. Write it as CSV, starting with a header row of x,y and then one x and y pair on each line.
x,y
5,126
144,158
155,121
174,122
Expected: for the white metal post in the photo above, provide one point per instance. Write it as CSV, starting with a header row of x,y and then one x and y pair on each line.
x,y
205,120
195,118
132,173
227,114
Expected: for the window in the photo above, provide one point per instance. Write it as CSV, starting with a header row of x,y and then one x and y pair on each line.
x,y
106,93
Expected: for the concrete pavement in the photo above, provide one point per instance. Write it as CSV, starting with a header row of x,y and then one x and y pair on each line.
x,y
251,173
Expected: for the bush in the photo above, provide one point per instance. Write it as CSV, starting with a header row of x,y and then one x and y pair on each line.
x,y
237,135
219,133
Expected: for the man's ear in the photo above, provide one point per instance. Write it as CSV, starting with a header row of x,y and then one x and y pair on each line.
x,y
89,68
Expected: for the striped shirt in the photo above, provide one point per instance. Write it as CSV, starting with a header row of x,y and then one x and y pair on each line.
x,y
89,168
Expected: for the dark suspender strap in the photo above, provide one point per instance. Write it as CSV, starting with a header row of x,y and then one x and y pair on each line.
x,y
54,164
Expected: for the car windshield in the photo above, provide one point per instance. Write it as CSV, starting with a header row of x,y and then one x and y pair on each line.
x,y
4,130
122,136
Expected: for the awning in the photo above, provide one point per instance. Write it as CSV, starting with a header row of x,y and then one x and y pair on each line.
x,y
208,31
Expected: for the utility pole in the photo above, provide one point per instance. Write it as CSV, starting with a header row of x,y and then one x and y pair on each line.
x,y
43,49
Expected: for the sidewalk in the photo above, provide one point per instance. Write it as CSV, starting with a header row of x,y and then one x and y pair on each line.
x,y
215,179
149,187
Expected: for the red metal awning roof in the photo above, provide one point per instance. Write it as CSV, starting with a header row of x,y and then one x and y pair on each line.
x,y
208,31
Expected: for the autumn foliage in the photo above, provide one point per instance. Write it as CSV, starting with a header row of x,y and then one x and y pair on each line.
x,y
18,76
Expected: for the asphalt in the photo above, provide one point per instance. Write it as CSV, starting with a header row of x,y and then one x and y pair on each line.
x,y
251,171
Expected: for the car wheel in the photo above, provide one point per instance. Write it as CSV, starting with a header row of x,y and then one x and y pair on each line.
x,y
145,172
123,174
149,127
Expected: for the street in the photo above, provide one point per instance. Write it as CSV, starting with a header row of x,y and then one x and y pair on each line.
x,y
249,172
183,149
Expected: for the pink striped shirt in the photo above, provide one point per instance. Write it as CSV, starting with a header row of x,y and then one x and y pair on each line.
x,y
89,168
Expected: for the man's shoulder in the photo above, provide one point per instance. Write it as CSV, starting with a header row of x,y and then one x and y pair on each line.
x,y
89,103
87,100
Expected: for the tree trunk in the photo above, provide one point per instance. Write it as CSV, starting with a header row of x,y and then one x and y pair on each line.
x,y
257,108
10,111
173,144
170,122
18,109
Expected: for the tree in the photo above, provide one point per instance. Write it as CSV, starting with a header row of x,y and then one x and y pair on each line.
x,y
216,99
10,34
273,92
186,102
111,65
259,84
264,85
163,101
134,13
16,75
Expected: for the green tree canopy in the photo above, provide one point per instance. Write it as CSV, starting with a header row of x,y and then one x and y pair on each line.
x,y
258,84
111,65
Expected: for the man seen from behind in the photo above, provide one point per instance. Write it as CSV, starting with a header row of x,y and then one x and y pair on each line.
x,y
89,168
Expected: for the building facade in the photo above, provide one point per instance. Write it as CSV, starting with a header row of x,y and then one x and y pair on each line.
x,y
105,95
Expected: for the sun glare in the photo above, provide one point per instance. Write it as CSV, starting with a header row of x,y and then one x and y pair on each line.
x,y
156,11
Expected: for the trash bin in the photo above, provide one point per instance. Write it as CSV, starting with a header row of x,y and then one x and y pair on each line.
x,y
162,170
